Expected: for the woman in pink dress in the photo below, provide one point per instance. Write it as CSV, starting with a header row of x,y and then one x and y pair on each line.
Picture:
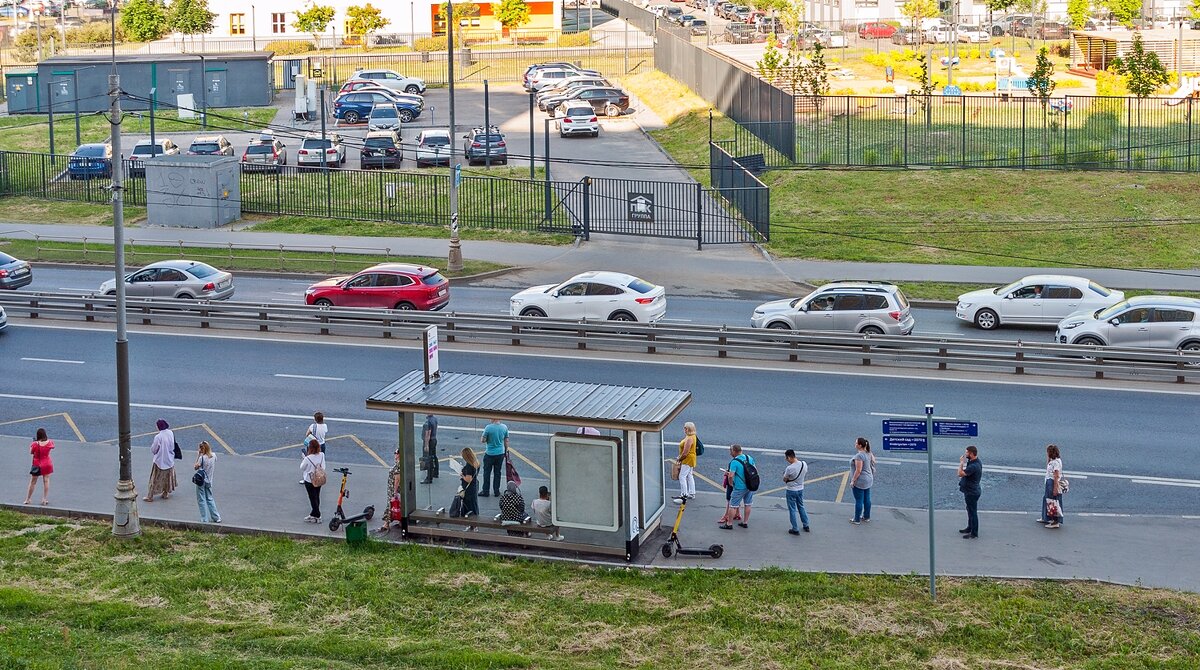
x,y
42,466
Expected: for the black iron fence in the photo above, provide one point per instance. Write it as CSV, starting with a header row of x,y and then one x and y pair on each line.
x,y
735,179
638,17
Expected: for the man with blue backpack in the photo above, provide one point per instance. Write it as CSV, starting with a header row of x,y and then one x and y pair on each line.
x,y
744,476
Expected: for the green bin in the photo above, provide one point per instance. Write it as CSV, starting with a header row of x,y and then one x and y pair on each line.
x,y
356,533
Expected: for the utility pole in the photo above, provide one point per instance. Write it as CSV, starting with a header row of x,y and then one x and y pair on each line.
x,y
253,28
125,517
454,262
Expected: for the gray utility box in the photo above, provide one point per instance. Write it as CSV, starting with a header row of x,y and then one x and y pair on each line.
x,y
193,191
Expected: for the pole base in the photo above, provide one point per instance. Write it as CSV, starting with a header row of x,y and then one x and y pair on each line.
x,y
454,262
125,518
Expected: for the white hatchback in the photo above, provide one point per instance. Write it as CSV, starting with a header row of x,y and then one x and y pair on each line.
x,y
612,296
1034,300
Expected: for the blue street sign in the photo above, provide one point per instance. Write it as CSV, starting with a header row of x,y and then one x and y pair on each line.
x,y
458,175
905,443
903,427
955,429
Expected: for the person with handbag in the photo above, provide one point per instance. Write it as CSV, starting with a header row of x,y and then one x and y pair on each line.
x,y
205,465
162,467
469,482
394,481
1052,514
312,471
42,466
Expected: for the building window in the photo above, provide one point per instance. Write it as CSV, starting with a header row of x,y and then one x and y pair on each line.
x,y
279,23
237,24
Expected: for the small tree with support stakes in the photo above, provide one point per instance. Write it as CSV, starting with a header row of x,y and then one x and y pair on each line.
x,y
314,19
924,92
364,20
1041,85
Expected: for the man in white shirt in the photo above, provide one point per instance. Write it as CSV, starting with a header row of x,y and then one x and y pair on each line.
x,y
541,511
793,480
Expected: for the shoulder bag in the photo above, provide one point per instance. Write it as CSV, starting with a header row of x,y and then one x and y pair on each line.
x,y
198,476
178,451
35,471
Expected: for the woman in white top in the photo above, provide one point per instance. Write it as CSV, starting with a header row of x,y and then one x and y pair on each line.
x,y
1053,489
206,462
162,467
312,460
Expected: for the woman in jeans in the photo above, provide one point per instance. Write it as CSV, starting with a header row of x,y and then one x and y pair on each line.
x,y
206,461
861,480
312,460
1053,489
469,480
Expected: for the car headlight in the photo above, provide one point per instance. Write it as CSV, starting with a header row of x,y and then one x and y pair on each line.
x,y
964,305
1071,324
759,312
309,291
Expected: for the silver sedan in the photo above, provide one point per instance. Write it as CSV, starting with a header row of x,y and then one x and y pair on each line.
x,y
182,279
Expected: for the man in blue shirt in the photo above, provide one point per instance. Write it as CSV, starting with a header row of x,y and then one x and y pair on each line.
x,y
495,436
970,470
742,495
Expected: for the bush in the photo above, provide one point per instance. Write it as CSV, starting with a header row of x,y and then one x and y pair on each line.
x,y
582,39
870,157
435,43
95,32
973,54
1068,82
1111,84
289,47
1061,49
897,156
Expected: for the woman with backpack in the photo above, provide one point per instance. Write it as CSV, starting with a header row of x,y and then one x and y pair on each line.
x,y
862,478
312,472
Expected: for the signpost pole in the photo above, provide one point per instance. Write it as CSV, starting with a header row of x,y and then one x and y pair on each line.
x,y
929,453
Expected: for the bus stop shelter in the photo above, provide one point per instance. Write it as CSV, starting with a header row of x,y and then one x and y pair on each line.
x,y
597,447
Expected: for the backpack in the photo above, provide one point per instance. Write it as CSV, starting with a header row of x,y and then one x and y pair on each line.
x,y
699,446
751,474
318,476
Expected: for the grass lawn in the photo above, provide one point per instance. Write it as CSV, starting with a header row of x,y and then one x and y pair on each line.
x,y
227,259
31,132
71,596
33,210
300,224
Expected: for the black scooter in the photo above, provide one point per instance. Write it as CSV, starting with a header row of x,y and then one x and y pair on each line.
x,y
672,544
339,517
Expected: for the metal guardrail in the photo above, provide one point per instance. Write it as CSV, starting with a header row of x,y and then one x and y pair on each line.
x,y
712,341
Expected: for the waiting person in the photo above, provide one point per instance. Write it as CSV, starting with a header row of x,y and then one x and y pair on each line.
x,y
861,480
312,460
206,461
727,482
687,464
541,508
495,436
742,495
42,466
429,457
469,481
970,470
394,482
1053,489
793,483
512,507
317,430
162,468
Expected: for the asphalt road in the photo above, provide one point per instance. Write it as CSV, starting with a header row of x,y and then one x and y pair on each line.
x,y
1126,451
491,299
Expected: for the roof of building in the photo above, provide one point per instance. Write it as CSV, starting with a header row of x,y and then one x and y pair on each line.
x,y
105,59
533,400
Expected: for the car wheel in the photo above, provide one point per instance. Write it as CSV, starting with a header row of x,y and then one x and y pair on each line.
x,y
778,325
1089,342
412,88
612,110
185,296
596,133
986,319
352,117
871,330
621,316
111,294
404,306
1191,348
406,116
323,302
533,312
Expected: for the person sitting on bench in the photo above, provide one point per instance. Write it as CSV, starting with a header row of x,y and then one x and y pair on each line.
x,y
512,508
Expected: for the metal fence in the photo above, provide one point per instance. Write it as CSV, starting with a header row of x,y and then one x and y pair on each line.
x,y
638,17
1072,132
737,184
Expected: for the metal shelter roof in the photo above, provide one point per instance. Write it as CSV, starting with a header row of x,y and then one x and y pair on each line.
x,y
534,400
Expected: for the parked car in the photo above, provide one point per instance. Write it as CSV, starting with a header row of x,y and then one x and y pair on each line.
x,y
1051,30
90,160
383,117
136,167
432,147
551,98
578,118
543,78
699,27
387,285
315,152
479,144
608,101
672,14
538,66
686,20
3,319
210,145
876,31
612,296
741,13
972,34
381,148
1034,300
906,36
265,153
767,25
722,8
1004,25
833,39
392,79
1148,321
739,33
180,279
14,273
940,34
1022,27
867,307
368,86
9,11
354,107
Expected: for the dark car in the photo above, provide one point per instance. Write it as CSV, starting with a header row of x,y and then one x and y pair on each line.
x,y
381,148
91,160
210,145
14,273
608,101
1051,30
739,33
387,285
699,27
479,144
354,107
906,36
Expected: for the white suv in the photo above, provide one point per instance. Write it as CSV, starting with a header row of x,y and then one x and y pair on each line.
x,y
578,118
312,146
867,307
392,79
1148,321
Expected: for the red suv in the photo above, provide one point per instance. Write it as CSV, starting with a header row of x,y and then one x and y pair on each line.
x,y
388,285
876,31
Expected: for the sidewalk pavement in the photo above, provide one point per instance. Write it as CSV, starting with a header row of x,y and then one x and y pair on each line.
x,y
256,493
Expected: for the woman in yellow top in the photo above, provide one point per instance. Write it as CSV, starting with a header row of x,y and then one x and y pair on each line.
x,y
687,464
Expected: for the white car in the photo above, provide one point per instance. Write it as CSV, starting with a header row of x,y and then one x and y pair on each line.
x,y
312,146
432,147
392,79
833,39
3,319
938,34
1034,300
973,34
612,296
578,119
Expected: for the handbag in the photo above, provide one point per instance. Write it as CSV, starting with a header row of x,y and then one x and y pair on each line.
x,y
318,476
1063,485
35,471
456,504
1053,508
198,477
178,451
510,471
675,468
395,508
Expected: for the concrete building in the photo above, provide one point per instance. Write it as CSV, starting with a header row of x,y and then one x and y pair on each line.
x,y
849,13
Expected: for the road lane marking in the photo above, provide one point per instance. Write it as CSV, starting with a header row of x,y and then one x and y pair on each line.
x,y
323,379
66,417
1195,485
52,360
842,488
533,465
806,483
366,449
74,428
218,440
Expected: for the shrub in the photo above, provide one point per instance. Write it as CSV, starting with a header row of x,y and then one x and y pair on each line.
x,y
878,60
95,32
973,53
843,91
1014,155
289,47
1061,49
1111,84
582,39
870,157
435,43
1068,82
825,158
897,156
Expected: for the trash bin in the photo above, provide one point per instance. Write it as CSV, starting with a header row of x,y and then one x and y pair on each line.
x,y
464,57
356,533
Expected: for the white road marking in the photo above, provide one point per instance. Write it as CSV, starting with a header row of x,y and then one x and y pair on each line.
x,y
77,290
1195,485
677,320
898,415
1104,514
52,360
324,379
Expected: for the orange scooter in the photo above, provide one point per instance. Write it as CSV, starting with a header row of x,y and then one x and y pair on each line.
x,y
339,517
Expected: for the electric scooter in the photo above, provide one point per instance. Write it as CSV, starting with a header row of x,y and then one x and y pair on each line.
x,y
339,517
672,545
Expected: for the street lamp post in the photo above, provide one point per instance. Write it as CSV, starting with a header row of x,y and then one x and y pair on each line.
x,y
454,261
253,28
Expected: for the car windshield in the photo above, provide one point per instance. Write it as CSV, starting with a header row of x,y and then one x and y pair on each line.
x,y
317,144
436,141
641,286
973,29
200,270
433,279
94,151
1105,314
260,149
5,259
580,111
383,113
1007,289
1099,289
147,150
206,146
380,142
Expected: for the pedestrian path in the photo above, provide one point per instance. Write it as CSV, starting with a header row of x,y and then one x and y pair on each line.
x,y
257,494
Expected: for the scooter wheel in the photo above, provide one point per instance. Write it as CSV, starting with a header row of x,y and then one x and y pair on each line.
x,y
666,550
335,523
716,550
369,512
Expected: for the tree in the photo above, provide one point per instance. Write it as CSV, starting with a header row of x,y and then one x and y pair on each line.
x,y
1195,9
462,12
771,61
924,92
1143,68
999,5
919,10
1031,6
190,17
364,20
791,16
1041,81
1077,13
512,14
1124,11
144,20
314,19
812,77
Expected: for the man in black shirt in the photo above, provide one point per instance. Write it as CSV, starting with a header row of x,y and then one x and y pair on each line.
x,y
970,469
